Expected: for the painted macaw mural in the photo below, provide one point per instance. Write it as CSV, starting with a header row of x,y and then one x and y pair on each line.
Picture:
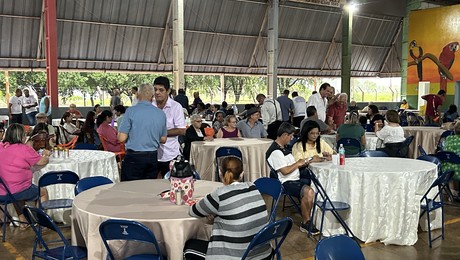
x,y
434,36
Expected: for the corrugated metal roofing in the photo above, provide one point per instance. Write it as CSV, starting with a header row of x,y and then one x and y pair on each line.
x,y
221,36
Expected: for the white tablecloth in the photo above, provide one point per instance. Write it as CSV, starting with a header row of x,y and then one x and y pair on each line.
x,y
384,195
137,200
426,136
371,140
85,163
202,155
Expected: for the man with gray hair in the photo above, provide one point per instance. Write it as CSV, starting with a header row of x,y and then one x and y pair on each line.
x,y
338,110
143,129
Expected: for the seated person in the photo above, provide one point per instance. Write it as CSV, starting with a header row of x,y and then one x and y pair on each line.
x,y
353,107
89,129
69,130
452,144
404,104
74,111
391,135
352,129
97,109
251,127
313,115
292,174
451,115
374,116
218,122
2,132
42,118
40,138
194,133
229,129
234,218
199,110
16,159
104,129
310,144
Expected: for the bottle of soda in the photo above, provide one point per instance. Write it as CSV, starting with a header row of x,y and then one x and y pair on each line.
x,y
342,155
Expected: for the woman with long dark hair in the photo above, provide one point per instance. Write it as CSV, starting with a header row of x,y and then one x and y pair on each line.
x,y
89,129
310,144
106,131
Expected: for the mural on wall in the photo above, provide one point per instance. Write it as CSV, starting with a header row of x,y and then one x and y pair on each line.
x,y
434,36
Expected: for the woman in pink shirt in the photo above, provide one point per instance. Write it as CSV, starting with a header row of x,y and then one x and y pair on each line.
x,y
16,159
107,131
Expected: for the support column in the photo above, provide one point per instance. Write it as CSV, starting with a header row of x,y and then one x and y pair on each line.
x,y
347,31
272,52
51,53
7,85
222,87
178,43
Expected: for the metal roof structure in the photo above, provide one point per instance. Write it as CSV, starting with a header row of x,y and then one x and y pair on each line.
x,y
221,36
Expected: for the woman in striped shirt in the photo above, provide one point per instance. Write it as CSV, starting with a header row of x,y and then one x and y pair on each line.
x,y
239,213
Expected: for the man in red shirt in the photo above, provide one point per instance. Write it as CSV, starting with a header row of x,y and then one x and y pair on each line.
x,y
338,110
433,106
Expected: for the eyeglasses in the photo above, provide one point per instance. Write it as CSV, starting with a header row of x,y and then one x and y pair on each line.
x,y
198,121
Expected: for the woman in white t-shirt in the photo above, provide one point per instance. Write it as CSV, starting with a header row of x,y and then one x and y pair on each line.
x,y
391,135
69,130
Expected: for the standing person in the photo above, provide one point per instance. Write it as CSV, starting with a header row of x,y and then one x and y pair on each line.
x,y
338,110
270,110
115,100
287,106
300,108
143,129
319,100
196,100
433,107
175,123
45,104
29,103
182,99
134,96
15,107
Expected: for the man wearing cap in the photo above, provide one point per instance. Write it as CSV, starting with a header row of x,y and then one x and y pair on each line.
x,y
251,127
29,103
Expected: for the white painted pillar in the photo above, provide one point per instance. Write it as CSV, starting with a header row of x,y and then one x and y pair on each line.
x,y
272,66
178,44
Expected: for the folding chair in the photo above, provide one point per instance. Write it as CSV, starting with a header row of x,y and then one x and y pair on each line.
x,y
276,231
9,199
91,182
373,154
284,193
349,142
437,202
324,203
85,146
421,150
57,177
435,160
338,247
115,229
70,144
448,157
404,148
37,220
223,152
442,140
273,188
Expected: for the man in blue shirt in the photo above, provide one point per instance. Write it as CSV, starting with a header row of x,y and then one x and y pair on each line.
x,y
287,106
143,129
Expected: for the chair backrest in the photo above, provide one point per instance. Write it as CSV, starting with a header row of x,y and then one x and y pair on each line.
x,y
421,150
373,154
91,182
404,147
223,152
271,187
37,217
70,144
104,144
117,229
442,139
432,159
276,231
85,146
349,142
320,191
58,177
443,178
449,157
338,247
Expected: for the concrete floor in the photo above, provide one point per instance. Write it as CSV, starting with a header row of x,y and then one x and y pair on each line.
x,y
297,245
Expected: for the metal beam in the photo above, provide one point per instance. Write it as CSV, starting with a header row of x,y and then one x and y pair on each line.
x,y
259,38
41,33
393,42
331,43
165,34
51,53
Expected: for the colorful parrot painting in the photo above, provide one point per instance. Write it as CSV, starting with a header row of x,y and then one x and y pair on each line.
x,y
447,58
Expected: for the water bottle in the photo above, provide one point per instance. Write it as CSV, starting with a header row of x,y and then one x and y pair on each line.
x,y
342,155
187,121
235,109
368,126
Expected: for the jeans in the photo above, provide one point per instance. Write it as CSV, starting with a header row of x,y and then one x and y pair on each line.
x,y
139,165
31,118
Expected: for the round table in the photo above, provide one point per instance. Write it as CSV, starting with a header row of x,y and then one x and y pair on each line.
x,y
138,201
426,136
371,140
384,196
84,163
202,155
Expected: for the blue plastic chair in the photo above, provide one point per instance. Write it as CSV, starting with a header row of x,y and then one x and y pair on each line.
x,y
373,154
91,182
38,220
276,231
442,140
85,146
437,202
116,229
273,188
225,151
57,177
421,150
338,247
404,148
9,199
435,160
349,142
284,193
324,203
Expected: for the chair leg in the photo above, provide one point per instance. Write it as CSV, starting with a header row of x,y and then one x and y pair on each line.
x,y
429,226
4,224
322,223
